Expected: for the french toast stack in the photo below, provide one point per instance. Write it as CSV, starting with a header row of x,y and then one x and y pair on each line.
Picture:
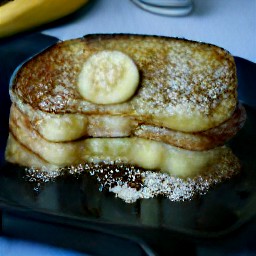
x,y
158,103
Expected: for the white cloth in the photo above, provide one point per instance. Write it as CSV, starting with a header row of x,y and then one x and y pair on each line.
x,y
230,24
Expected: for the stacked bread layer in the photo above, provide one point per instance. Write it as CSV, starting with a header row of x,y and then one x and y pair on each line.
x,y
184,110
27,147
184,85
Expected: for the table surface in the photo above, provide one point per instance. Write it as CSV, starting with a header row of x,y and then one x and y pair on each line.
x,y
229,24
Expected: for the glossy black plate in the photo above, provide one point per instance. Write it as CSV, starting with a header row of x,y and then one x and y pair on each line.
x,y
74,203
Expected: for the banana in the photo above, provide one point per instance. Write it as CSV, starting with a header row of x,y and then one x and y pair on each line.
x,y
20,15
60,128
108,77
66,128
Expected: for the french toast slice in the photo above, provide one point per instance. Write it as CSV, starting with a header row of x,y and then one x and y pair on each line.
x,y
64,128
183,85
17,153
156,108
144,153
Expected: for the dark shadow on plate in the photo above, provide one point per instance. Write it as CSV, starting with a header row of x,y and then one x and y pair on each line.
x,y
13,52
246,85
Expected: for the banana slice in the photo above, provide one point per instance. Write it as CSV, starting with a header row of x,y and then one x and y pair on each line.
x,y
108,77
64,128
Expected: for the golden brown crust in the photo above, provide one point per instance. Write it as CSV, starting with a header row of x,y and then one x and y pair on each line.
x,y
181,80
196,141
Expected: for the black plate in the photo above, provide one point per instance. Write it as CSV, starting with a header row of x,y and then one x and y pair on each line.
x,y
76,206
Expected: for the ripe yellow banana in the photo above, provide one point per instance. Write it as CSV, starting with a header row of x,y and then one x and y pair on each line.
x,y
20,15
108,77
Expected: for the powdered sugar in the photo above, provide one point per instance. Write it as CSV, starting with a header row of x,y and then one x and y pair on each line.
x,y
130,183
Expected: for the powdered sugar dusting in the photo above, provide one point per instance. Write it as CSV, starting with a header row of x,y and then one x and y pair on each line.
x,y
130,183
177,77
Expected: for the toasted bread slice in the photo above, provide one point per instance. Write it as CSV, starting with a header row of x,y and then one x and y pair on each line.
x,y
144,153
204,140
130,182
184,85
64,128
17,153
